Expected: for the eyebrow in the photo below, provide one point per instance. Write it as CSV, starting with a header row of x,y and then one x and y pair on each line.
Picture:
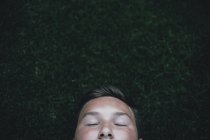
x,y
97,114
90,113
122,114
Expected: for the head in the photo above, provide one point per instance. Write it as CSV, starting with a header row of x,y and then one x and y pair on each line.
x,y
106,113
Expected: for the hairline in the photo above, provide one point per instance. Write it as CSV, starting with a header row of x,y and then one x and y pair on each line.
x,y
130,108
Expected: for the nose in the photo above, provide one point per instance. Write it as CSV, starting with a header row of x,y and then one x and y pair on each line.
x,y
106,132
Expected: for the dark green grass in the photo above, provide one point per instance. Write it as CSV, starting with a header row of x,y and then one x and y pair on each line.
x,y
52,51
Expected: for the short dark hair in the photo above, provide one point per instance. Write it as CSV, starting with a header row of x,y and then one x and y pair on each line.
x,y
103,91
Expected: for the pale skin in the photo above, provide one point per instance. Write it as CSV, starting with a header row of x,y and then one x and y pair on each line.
x,y
106,118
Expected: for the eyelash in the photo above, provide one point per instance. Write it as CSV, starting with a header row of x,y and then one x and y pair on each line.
x,y
120,124
92,124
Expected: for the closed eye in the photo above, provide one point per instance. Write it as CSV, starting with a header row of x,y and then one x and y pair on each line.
x,y
92,124
120,124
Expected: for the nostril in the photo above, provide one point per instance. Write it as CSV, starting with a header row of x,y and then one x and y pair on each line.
x,y
102,135
110,136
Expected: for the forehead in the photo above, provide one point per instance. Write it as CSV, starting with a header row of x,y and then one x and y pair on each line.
x,y
106,105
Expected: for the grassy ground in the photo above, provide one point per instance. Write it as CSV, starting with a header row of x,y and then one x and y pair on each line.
x,y
52,51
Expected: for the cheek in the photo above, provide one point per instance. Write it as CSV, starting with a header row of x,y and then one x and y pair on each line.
x,y
125,134
86,134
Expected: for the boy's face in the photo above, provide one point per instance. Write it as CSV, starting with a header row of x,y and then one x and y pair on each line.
x,y
106,118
